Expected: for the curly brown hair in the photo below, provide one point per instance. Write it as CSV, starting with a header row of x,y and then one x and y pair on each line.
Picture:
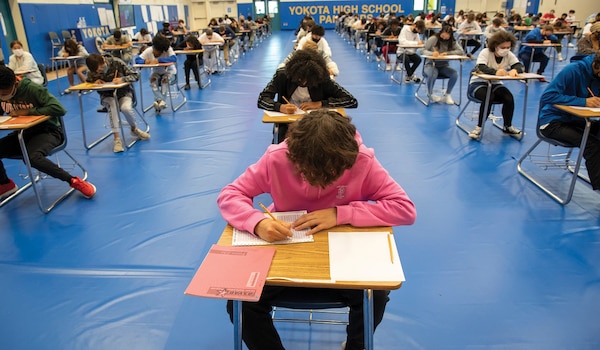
x,y
499,38
307,68
322,146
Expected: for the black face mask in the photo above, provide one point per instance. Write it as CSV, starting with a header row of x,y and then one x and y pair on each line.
x,y
415,31
316,40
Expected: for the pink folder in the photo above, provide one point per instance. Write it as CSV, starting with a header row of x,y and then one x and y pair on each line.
x,y
237,273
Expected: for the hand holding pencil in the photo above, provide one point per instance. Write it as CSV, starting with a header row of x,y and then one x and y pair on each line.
x,y
272,230
593,101
288,108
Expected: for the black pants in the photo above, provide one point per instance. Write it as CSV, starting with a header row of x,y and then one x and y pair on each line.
x,y
258,330
572,133
540,57
39,141
191,64
411,62
471,42
499,95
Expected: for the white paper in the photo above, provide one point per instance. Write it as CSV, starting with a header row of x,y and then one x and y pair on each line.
x,y
364,256
110,17
242,238
591,109
102,16
144,9
279,114
4,118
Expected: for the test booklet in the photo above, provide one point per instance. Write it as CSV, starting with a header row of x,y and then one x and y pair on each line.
x,y
237,273
242,238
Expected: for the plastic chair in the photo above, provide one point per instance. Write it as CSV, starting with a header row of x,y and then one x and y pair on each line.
x,y
56,43
314,309
66,35
33,180
550,160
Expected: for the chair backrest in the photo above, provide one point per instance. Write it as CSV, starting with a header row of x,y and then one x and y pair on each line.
x,y
65,34
42,69
54,39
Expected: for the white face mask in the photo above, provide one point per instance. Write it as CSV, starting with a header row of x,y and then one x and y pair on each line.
x,y
18,52
502,52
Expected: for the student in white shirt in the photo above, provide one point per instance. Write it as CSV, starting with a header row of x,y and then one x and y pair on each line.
x,y
316,34
23,61
210,44
410,35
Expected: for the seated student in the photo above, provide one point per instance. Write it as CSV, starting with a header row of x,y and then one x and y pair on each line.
x,y
469,26
142,35
210,42
23,61
590,44
548,17
120,39
570,87
322,154
305,83
305,28
393,31
496,59
332,67
587,27
541,36
166,32
409,35
191,61
161,77
19,97
230,40
112,69
181,28
316,35
72,48
494,28
441,44
560,26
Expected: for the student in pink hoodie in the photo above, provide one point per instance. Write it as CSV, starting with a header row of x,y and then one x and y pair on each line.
x,y
324,168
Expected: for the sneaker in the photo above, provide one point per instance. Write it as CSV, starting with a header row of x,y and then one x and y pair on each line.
x,y
398,67
571,45
511,130
118,145
228,64
475,133
87,189
416,79
162,105
408,79
8,189
66,92
560,58
435,98
470,55
155,104
186,87
448,99
102,110
142,135
388,67
377,58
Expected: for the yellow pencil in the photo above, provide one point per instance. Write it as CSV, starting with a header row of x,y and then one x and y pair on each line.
x,y
267,211
390,246
590,91
286,100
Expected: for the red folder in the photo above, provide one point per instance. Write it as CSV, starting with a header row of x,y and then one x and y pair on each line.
x,y
237,273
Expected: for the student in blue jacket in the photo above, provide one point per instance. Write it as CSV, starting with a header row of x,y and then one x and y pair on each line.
x,y
543,35
578,84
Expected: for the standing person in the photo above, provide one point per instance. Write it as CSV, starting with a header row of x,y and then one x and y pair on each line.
x,y
210,45
470,25
120,39
191,61
72,48
19,97
23,61
323,153
112,69
496,59
542,35
161,77
305,83
410,35
439,45
577,84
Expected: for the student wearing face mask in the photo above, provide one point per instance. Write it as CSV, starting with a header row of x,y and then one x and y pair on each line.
x,y
316,35
577,84
20,97
112,69
496,59
23,61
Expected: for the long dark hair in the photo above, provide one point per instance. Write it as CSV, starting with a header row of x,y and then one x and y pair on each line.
x,y
445,29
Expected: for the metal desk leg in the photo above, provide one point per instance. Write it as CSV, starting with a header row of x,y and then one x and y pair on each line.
x,y
401,69
85,143
488,97
201,73
368,318
237,324
184,98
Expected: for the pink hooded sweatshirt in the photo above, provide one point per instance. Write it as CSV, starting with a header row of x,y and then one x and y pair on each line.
x,y
365,195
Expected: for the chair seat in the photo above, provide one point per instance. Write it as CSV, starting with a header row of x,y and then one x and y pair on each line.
x,y
309,298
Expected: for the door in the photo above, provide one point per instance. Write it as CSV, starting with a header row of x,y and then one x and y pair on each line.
x,y
270,8
7,29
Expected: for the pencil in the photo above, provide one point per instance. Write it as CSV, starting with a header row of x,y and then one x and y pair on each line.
x,y
288,102
267,211
116,72
590,90
390,246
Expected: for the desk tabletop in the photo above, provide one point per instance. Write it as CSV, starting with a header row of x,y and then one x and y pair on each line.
x,y
310,262
447,57
290,118
59,58
188,52
152,65
23,122
116,47
582,112
521,76
541,44
98,87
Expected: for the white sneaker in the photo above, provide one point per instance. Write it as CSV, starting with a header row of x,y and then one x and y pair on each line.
x,y
377,58
155,105
448,99
571,45
228,64
388,67
560,58
511,130
475,133
162,105
140,134
435,98
344,345
118,145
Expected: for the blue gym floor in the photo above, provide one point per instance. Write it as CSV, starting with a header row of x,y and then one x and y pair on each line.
x,y
491,263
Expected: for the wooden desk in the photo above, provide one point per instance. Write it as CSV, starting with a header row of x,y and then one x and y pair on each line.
x,y
201,70
69,60
459,58
154,65
288,119
86,87
523,78
314,259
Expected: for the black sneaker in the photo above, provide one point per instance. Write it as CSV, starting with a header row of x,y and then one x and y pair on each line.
x,y
186,87
102,110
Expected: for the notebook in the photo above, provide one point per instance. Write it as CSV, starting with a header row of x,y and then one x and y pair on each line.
x,y
244,238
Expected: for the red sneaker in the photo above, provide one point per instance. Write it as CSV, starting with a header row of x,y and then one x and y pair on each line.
x,y
8,189
87,189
